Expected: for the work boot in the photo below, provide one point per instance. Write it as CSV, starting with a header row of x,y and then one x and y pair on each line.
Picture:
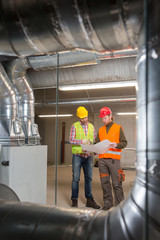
x,y
91,203
106,206
74,202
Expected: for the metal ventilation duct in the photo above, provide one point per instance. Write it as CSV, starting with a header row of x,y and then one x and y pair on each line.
x,y
31,27
77,58
10,129
109,70
17,73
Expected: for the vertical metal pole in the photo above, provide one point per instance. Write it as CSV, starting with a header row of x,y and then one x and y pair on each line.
x,y
56,128
146,38
63,143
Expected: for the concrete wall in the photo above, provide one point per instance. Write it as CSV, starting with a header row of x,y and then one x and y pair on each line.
x,y
47,132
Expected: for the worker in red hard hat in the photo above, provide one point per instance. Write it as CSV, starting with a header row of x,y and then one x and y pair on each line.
x,y
105,111
109,162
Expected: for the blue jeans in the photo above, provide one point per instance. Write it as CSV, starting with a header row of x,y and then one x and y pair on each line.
x,y
87,164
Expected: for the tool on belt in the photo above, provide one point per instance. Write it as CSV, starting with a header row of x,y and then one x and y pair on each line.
x,y
121,175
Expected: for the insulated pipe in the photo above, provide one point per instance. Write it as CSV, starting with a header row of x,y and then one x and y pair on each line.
x,y
86,101
8,103
76,58
106,71
16,70
8,107
23,220
40,27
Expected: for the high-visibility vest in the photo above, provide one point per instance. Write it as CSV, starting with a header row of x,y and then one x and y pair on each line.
x,y
80,134
113,136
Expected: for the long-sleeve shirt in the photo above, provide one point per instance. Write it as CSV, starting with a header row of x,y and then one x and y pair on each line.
x,y
73,140
122,139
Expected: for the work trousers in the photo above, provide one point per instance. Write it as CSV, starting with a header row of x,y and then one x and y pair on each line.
x,y
79,162
108,169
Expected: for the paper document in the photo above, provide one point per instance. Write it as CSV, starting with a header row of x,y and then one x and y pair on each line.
x,y
100,147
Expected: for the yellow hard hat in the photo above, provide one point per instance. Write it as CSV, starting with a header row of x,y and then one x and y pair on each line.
x,y
82,112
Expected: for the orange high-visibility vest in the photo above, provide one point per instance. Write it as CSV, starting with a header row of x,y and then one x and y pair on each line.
x,y
113,136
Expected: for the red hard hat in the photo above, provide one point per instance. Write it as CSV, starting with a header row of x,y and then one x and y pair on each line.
x,y
105,111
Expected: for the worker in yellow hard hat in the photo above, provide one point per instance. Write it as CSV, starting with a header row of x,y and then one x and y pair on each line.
x,y
82,132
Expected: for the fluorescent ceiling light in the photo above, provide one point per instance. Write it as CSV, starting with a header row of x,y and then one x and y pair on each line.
x,y
59,115
132,83
127,113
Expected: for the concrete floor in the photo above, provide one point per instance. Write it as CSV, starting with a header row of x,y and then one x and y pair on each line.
x,y
64,174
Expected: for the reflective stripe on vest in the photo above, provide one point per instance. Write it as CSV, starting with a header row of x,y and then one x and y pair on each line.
x,y
113,136
113,152
80,134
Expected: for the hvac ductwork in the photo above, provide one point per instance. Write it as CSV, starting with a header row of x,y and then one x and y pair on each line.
x,y
31,27
10,126
16,70
76,58
105,71
139,216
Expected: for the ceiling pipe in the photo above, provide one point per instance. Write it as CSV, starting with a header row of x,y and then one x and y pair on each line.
x,y
76,59
86,101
